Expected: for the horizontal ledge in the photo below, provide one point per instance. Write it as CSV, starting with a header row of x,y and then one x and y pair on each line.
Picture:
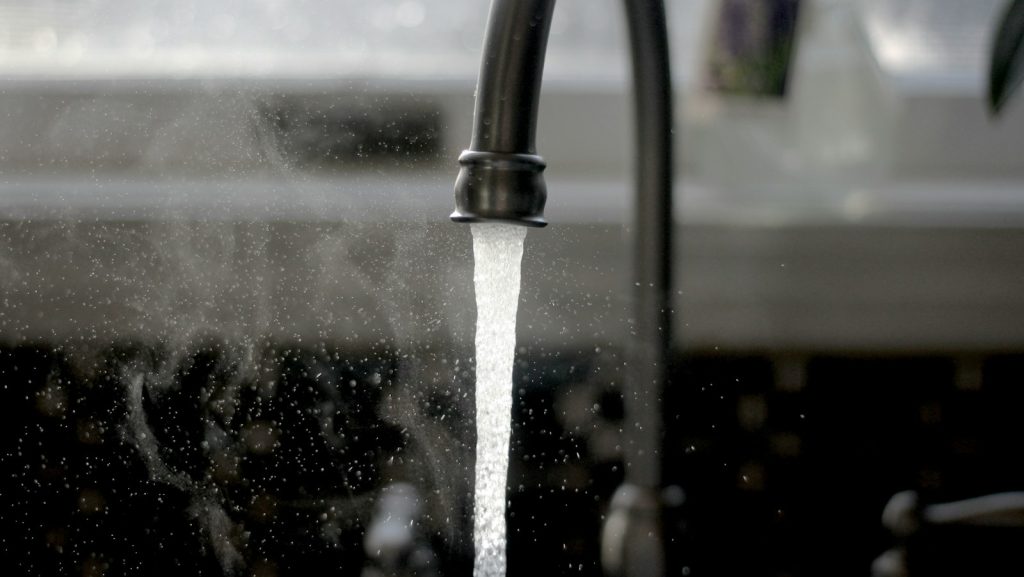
x,y
427,195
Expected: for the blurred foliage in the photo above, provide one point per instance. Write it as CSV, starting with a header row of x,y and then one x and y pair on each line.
x,y
1007,63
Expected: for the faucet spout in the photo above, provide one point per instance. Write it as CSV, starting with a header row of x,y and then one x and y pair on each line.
x,y
501,177
501,180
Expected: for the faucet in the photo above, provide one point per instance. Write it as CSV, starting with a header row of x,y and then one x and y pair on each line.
x,y
914,524
501,180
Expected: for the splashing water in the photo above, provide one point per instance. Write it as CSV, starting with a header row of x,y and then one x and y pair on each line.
x,y
498,252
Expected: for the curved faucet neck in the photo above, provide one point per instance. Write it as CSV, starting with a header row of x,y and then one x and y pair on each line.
x,y
501,180
508,91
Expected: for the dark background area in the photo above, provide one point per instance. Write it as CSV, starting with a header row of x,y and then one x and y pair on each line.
x,y
777,464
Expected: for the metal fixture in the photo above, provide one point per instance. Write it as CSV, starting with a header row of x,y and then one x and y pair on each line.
x,y
501,180
911,521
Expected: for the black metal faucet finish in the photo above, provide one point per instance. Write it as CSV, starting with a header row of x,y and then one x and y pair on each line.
x,y
501,180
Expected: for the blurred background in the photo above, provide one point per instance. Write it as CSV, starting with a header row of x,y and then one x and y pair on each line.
x,y
235,330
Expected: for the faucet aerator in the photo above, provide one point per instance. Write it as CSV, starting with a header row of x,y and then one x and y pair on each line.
x,y
500,187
